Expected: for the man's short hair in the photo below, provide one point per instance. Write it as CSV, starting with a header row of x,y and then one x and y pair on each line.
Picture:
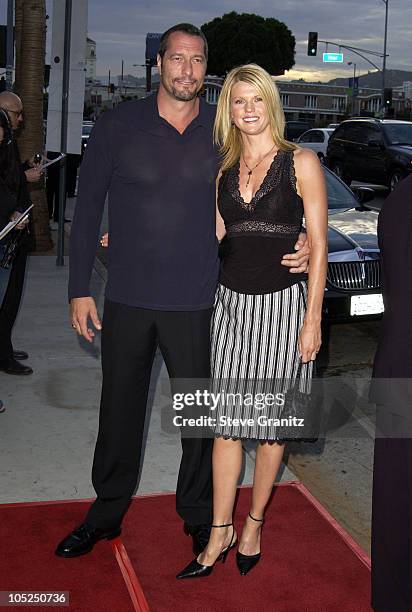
x,y
185,28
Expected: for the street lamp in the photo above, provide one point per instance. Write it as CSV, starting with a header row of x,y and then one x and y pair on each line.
x,y
386,2
353,87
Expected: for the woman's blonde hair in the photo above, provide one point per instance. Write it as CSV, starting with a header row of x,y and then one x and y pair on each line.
x,y
226,135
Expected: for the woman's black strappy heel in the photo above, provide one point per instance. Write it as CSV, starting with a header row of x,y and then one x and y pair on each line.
x,y
197,570
247,562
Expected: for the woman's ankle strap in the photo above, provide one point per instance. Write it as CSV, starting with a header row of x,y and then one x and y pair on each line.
x,y
225,525
262,520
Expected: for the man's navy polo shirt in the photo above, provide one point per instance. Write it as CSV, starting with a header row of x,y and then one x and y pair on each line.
x,y
163,251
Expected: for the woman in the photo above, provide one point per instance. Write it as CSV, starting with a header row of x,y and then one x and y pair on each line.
x,y
267,322
10,196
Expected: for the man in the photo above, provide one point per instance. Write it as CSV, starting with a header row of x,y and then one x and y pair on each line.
x,y
155,158
14,107
9,358
391,389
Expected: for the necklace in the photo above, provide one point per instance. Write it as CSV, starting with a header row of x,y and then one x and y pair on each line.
x,y
250,170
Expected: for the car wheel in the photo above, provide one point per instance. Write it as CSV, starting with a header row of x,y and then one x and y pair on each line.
x,y
337,168
395,177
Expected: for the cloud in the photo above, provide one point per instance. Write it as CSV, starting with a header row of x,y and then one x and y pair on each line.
x,y
119,28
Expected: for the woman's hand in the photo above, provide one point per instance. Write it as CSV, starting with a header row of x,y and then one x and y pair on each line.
x,y
105,240
310,340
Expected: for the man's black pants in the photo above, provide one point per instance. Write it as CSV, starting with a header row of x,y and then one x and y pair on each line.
x,y
392,522
11,303
130,337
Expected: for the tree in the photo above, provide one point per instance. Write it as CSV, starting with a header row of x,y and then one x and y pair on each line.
x,y
236,39
30,19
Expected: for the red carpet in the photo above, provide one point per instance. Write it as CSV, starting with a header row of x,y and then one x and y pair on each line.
x,y
29,534
308,564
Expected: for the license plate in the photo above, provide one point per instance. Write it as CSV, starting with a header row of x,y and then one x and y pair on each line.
x,y
366,304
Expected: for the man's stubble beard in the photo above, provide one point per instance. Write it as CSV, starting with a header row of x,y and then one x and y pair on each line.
x,y
182,96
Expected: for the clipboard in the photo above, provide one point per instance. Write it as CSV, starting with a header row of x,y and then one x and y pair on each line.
x,y
53,161
13,224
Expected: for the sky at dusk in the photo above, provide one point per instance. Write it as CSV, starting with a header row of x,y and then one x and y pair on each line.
x,y
119,28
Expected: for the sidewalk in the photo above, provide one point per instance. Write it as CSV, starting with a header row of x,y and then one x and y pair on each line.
x,y
49,428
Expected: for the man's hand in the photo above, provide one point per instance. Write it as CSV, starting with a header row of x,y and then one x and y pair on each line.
x,y
33,175
33,163
81,309
298,262
22,224
105,240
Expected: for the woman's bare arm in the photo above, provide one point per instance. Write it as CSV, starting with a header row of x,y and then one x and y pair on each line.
x,y
220,224
312,188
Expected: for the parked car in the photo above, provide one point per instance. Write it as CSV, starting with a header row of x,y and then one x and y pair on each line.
x,y
377,151
86,131
333,125
294,129
353,289
317,140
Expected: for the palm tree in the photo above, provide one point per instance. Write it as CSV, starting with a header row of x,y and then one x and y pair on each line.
x,y
30,19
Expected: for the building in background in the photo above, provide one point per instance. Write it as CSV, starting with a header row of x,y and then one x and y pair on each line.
x,y
405,88
100,97
128,80
90,60
211,89
321,104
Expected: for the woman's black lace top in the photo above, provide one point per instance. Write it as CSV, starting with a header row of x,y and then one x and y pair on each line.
x,y
261,231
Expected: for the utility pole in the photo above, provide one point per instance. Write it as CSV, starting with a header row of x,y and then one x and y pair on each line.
x,y
353,88
10,44
148,76
385,38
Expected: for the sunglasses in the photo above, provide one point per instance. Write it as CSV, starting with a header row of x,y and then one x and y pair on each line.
x,y
17,113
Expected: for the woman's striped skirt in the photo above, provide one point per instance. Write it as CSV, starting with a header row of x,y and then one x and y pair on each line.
x,y
255,351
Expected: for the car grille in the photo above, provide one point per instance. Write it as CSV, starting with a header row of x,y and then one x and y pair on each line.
x,y
354,275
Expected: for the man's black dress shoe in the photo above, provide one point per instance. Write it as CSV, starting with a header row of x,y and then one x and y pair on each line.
x,y
200,536
198,570
11,366
83,538
20,355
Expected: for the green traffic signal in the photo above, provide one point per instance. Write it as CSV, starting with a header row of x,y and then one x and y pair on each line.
x,y
312,43
387,94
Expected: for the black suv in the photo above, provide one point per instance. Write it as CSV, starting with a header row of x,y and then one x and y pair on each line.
x,y
377,151
294,129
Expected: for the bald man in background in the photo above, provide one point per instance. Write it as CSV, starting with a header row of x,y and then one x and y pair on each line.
x,y
9,358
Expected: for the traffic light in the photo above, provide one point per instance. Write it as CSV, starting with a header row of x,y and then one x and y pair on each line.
x,y
312,43
111,88
387,94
